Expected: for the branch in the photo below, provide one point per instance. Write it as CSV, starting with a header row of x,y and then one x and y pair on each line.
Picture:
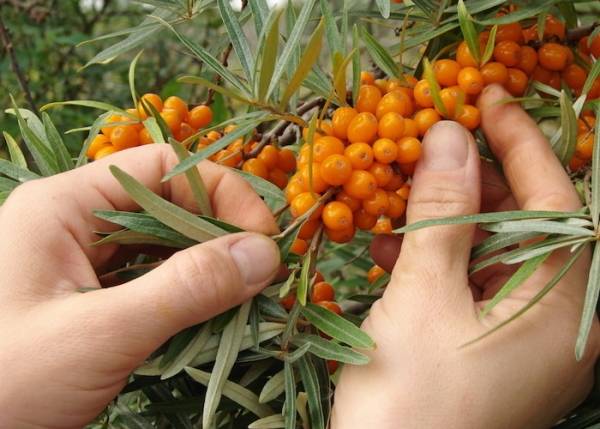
x,y
578,33
8,46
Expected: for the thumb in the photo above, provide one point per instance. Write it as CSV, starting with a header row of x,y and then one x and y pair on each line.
x,y
190,287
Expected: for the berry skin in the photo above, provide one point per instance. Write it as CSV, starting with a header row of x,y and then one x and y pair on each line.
x,y
404,191
325,146
361,185
410,128
124,137
517,82
277,177
451,98
385,151
576,163
341,236
200,116
446,72
146,99
585,146
367,78
331,306
368,98
336,169
554,28
270,156
317,184
99,142
542,75
425,119
308,229
470,80
107,130
397,206
288,301
302,203
178,104
105,151
378,204
286,160
553,57
470,117
391,126
408,169
185,131
337,216
364,220
172,119
294,188
395,101
595,47
383,226
574,76
422,94
374,273
363,128
227,157
351,202
360,155
512,32
529,59
395,182
464,57
409,150
341,120
507,53
256,167
322,291
383,173
318,277
494,72
299,247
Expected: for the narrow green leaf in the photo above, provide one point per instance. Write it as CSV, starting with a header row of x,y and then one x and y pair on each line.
x,y
16,154
500,241
131,78
334,40
591,77
270,49
272,388
379,54
168,213
7,185
329,350
589,306
126,237
303,284
526,253
89,103
434,86
256,370
297,354
595,206
262,187
227,92
489,47
289,408
565,148
468,30
547,226
13,171
271,422
131,420
356,67
337,327
194,347
384,8
237,37
63,158
310,381
260,13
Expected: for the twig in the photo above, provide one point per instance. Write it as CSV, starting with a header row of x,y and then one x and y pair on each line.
x,y
8,46
578,33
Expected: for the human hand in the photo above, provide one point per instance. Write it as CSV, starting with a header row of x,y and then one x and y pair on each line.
x,y
67,354
523,376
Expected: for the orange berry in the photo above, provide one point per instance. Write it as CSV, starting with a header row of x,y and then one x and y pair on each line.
x,y
178,104
494,72
367,78
410,128
308,229
214,135
364,220
507,53
336,216
554,28
351,202
517,82
336,169
97,143
108,129
530,34
360,155
318,184
404,191
200,116
172,119
104,151
585,146
452,97
229,128
470,117
595,47
331,306
425,119
278,178
577,163
374,273
528,60
470,80
383,173
542,75
464,56
408,169
422,94
299,247
409,150
341,120
395,183
286,160
363,128
288,301
341,235
322,291
185,131
124,137
391,126
385,151
397,206
270,156
368,98
395,101
302,203
574,76
227,157
382,85
383,226
512,32
146,99
446,72
326,146
256,167
377,204
553,56
361,185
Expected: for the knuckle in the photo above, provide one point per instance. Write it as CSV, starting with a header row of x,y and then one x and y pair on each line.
x,y
440,201
551,200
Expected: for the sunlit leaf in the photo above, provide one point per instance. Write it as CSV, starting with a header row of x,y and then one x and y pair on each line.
x,y
329,350
237,37
272,388
379,54
310,381
590,305
16,154
468,31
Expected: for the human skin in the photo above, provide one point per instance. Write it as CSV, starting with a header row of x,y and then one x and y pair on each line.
x,y
523,376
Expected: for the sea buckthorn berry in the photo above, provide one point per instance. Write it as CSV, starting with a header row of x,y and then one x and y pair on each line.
x,y
529,59
308,229
385,151
595,47
554,28
331,306
364,220
395,101
200,116
397,206
507,53
105,151
303,156
410,128
422,94
408,169
318,277
124,137
185,131
317,184
425,119
382,85
582,127
288,301
553,57
97,143
363,128
452,97
337,216
360,155
576,163
585,146
367,78
333,365
446,72
395,182
326,146
229,128
172,119
368,98
397,86
351,202
494,72
146,99
409,150
108,128
299,247
517,82
383,226
404,191
512,32
336,169
530,34
302,203
227,158
470,117
178,104
383,173
542,75
361,185
574,76
391,126
322,291
213,135
582,45
378,204
341,120
136,122
470,80
464,56
256,167
374,273
286,160
277,177
341,235
270,156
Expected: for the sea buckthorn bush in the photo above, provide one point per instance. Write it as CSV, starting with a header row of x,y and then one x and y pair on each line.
x,y
325,120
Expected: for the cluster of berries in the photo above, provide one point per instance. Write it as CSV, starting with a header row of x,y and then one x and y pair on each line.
x,y
122,132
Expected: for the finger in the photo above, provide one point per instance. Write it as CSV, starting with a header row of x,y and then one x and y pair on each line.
x,y
192,286
536,177
495,193
385,250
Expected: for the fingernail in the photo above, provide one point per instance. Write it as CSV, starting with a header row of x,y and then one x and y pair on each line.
x,y
257,258
445,147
